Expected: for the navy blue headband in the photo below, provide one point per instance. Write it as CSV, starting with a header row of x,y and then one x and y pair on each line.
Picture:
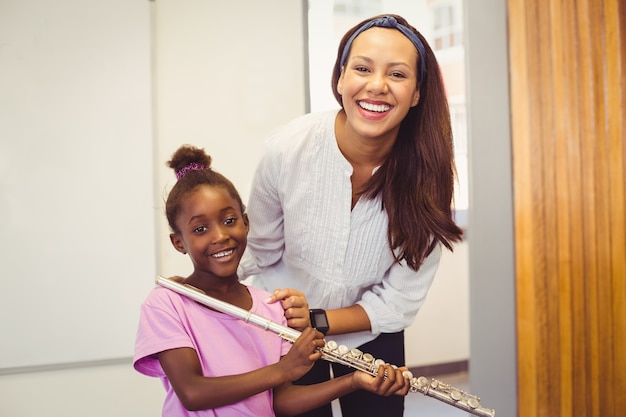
x,y
389,22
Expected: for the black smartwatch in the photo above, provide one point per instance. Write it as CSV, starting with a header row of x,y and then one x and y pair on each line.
x,y
319,320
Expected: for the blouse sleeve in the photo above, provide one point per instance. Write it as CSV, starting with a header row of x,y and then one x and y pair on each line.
x,y
393,304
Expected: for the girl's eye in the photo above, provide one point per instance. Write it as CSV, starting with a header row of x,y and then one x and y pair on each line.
x,y
230,220
199,229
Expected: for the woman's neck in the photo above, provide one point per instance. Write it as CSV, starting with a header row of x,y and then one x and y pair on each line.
x,y
363,153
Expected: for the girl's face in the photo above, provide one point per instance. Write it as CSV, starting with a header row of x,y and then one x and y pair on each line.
x,y
378,83
213,230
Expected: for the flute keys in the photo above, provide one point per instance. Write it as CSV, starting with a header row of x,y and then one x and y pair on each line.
x,y
367,358
408,375
343,349
331,345
356,353
456,395
473,402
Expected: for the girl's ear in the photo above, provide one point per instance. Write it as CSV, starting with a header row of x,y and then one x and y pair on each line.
x,y
178,243
246,222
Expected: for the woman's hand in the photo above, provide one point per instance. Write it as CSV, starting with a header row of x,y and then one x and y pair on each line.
x,y
388,381
295,305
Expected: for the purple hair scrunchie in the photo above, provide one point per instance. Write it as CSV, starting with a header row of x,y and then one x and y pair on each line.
x,y
194,166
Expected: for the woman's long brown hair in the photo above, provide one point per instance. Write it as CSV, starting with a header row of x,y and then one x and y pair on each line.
x,y
416,182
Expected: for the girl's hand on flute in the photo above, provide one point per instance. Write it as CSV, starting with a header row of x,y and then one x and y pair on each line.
x,y
302,355
295,305
389,381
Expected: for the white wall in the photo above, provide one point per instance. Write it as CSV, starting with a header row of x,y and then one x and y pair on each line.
x,y
76,226
200,99
98,391
440,333
491,239
226,74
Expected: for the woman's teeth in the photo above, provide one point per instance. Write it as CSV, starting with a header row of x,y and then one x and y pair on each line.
x,y
374,107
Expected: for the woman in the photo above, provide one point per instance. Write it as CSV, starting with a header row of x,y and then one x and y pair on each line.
x,y
351,207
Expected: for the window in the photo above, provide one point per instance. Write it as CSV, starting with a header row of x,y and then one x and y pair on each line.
x,y
447,27
440,21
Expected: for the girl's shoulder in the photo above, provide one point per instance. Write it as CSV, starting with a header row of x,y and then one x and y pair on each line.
x,y
272,311
160,297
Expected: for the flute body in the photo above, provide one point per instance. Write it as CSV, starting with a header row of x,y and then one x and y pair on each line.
x,y
339,354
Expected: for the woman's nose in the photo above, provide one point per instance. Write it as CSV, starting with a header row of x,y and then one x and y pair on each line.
x,y
377,83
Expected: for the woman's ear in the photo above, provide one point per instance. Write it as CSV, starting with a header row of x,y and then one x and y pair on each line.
x,y
178,243
416,98
340,83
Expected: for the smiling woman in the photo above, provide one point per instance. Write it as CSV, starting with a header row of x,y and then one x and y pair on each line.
x,y
316,222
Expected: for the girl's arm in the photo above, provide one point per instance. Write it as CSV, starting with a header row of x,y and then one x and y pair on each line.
x,y
198,392
292,399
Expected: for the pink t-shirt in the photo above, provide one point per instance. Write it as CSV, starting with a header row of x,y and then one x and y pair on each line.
x,y
225,345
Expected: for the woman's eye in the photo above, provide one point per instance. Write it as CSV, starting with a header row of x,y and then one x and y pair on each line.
x,y
361,69
398,75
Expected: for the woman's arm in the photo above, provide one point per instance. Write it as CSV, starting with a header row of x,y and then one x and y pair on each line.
x,y
388,307
198,392
393,304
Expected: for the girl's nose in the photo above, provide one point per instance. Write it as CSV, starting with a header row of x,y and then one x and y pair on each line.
x,y
219,235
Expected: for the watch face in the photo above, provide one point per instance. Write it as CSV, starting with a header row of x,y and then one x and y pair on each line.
x,y
320,320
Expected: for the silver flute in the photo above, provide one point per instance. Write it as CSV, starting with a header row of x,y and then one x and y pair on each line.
x,y
331,352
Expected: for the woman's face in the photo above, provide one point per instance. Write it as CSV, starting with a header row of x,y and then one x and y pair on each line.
x,y
378,83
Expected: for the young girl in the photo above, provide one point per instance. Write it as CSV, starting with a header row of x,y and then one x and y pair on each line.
x,y
212,364
352,206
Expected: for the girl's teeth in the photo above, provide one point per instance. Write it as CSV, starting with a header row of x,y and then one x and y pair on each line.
x,y
222,254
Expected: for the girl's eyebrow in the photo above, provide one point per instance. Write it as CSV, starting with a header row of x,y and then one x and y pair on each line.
x,y
202,215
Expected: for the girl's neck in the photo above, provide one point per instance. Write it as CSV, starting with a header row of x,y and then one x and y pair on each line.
x,y
229,290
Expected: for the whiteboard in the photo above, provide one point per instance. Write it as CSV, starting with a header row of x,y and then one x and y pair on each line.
x,y
77,212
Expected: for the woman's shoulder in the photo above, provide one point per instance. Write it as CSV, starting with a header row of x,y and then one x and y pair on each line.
x,y
312,119
302,128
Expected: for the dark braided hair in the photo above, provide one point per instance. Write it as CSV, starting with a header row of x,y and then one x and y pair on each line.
x,y
193,169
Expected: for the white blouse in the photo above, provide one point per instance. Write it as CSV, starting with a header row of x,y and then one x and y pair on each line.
x,y
305,235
